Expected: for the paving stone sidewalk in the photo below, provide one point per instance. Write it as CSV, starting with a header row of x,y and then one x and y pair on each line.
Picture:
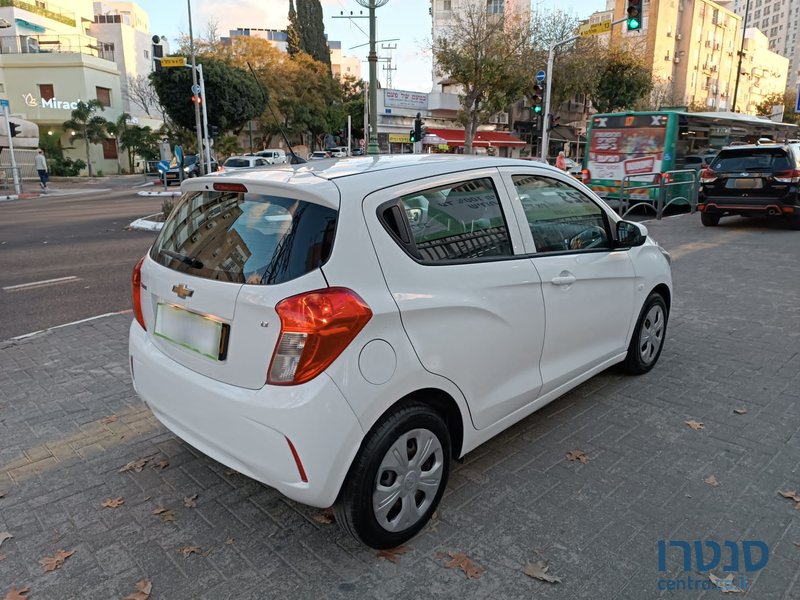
x,y
69,421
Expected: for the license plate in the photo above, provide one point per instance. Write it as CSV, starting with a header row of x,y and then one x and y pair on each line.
x,y
192,331
746,184
172,175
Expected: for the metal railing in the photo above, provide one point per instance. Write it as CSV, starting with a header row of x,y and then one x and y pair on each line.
x,y
662,183
43,9
48,44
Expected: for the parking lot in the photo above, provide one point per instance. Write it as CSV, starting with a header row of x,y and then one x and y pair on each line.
x,y
697,450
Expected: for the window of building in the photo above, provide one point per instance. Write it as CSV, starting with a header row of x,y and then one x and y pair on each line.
x,y
494,7
103,95
447,5
46,91
110,149
147,53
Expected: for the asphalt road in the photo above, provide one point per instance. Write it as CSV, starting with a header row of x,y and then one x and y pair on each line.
x,y
81,236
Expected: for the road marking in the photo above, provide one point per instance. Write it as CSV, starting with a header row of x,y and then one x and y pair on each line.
x,y
32,284
111,314
684,249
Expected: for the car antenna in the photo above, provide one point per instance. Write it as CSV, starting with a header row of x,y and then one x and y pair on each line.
x,y
295,160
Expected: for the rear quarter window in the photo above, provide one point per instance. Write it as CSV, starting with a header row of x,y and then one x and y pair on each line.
x,y
245,238
767,159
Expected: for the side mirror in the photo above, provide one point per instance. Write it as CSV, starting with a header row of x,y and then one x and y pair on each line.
x,y
630,234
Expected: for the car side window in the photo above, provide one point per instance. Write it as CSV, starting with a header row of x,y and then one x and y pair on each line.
x,y
458,222
560,217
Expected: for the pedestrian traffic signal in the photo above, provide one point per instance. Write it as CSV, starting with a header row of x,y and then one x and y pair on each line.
x,y
634,15
537,99
197,99
14,129
412,137
213,131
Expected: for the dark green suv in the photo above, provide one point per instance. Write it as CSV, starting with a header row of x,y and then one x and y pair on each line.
x,y
752,179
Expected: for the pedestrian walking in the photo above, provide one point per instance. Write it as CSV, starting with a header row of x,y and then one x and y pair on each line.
x,y
41,167
561,161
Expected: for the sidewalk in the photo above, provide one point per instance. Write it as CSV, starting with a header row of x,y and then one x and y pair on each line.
x,y
69,422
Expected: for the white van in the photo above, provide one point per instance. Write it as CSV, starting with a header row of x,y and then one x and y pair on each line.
x,y
275,156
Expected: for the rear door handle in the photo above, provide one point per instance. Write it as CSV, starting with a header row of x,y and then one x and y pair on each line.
x,y
564,278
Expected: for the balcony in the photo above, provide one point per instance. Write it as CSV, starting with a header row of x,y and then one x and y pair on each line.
x,y
43,9
56,44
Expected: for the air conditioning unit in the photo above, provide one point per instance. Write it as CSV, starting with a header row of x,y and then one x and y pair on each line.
x,y
713,67
677,59
499,119
669,34
678,36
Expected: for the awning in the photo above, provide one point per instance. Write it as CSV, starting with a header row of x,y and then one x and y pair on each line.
x,y
455,137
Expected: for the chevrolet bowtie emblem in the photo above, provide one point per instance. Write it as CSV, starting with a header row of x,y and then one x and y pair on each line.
x,y
182,291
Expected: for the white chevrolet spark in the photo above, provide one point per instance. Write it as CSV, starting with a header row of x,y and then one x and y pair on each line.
x,y
340,330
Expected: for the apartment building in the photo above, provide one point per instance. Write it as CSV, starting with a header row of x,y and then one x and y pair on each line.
x,y
693,47
779,20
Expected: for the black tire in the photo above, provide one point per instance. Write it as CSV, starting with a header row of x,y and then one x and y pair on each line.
x,y
794,222
354,507
641,357
709,219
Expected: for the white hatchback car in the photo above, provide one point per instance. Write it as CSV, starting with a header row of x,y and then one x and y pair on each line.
x,y
341,330
237,163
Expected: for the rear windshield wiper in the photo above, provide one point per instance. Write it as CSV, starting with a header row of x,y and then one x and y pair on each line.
x,y
187,260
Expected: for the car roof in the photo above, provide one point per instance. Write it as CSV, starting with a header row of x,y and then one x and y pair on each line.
x,y
756,146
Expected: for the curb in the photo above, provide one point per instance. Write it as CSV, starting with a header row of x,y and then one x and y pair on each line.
x,y
172,194
147,224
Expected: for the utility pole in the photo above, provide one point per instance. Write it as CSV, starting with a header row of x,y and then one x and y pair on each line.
x,y
14,171
388,68
194,83
741,56
373,147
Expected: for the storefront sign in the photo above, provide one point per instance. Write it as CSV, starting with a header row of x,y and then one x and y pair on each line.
x,y
399,138
403,99
34,102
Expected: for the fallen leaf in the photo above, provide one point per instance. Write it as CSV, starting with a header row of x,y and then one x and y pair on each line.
x,y
712,481
165,514
392,554
459,560
51,563
3,493
724,585
189,550
229,541
3,557
796,544
538,570
21,594
112,503
146,498
110,419
324,517
135,465
4,535
791,495
231,473
143,589
578,455
695,425
740,411
189,502
161,465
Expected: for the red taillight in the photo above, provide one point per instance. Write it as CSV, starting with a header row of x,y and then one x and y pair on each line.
x,y
707,176
790,176
136,293
315,328
586,175
300,469
230,187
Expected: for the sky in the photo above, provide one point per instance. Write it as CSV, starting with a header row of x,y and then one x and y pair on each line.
x,y
406,22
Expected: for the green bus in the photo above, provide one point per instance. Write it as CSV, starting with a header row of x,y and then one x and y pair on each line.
x,y
632,146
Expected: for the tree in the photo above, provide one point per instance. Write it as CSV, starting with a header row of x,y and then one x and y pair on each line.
x,y
352,91
292,32
232,96
140,92
88,126
312,31
490,57
623,79
786,99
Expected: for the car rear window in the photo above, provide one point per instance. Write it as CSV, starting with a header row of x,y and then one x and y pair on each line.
x,y
237,162
245,238
764,159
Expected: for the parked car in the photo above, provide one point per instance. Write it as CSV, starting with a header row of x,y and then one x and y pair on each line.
x,y
357,151
485,288
319,155
749,180
236,163
191,168
698,162
339,152
275,156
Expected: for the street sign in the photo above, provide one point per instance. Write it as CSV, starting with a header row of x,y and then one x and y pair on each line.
x,y
162,166
195,89
178,154
173,61
4,103
594,29
540,76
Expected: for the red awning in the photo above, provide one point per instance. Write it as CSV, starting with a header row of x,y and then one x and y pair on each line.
x,y
455,137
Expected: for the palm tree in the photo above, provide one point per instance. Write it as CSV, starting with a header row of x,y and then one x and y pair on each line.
x,y
87,126
119,130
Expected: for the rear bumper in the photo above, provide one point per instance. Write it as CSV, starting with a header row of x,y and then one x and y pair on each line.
x,y
248,430
767,206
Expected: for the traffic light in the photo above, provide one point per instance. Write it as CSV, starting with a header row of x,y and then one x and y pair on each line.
x,y
213,131
537,99
14,128
412,136
158,53
197,98
634,21
418,128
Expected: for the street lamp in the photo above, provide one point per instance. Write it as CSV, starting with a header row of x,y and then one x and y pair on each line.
x,y
373,147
